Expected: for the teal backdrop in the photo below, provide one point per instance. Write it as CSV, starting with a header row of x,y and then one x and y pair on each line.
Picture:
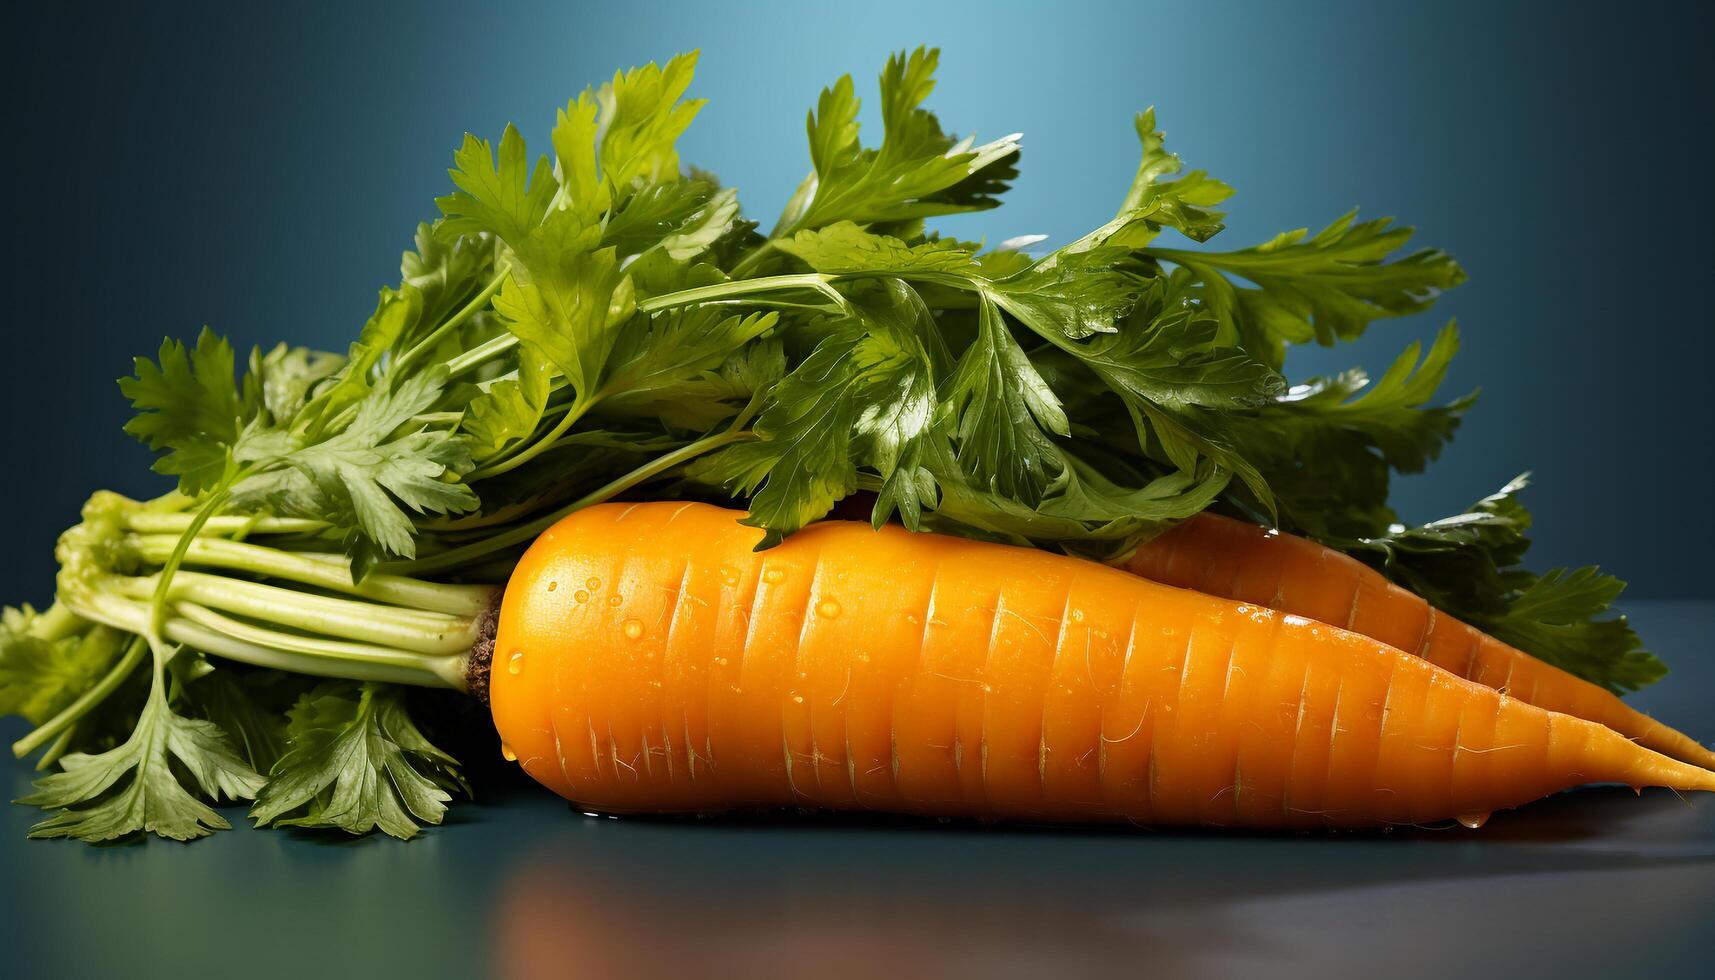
x,y
259,167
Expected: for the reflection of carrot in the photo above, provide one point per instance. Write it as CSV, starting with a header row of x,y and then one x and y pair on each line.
x,y
649,660
1236,560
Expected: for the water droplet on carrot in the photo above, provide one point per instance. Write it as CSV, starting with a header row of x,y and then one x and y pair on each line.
x,y
1077,615
507,753
593,583
615,600
581,596
828,609
1473,820
552,586
774,576
515,663
729,576
632,629
797,699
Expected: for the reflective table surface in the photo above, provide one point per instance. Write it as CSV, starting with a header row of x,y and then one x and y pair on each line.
x,y
1593,883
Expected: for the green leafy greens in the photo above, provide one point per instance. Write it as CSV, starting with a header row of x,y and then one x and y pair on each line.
x,y
598,320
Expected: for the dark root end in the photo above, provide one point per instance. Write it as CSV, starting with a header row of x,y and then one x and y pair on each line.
x,y
481,661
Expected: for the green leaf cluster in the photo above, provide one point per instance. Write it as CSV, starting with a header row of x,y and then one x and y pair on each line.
x,y
355,761
1471,564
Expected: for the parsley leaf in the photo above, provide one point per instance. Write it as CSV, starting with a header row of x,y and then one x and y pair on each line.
x,y
561,302
1005,412
1082,511
1327,288
187,404
669,366
134,788
865,396
917,172
1469,565
682,218
844,248
498,192
643,114
363,477
281,381
1153,203
617,146
249,706
1328,446
1071,295
444,269
355,761
508,409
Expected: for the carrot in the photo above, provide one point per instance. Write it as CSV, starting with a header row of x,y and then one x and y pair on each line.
x,y
649,660
1237,560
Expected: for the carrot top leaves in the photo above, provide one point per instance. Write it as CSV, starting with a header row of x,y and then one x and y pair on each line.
x,y
596,319
917,172
357,763
136,785
1470,564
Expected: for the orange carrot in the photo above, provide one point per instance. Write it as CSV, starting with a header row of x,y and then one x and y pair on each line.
x,y
649,660
1234,559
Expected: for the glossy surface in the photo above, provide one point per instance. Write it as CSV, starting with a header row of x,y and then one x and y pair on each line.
x,y
1238,560
1595,883
852,669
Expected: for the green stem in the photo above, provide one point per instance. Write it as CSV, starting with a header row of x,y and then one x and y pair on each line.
x,y
53,752
153,522
456,557
744,287
323,571
355,653
349,661
158,604
537,448
428,343
1241,262
428,633
480,354
69,716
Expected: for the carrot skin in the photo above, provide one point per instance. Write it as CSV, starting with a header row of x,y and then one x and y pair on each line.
x,y
1236,560
649,660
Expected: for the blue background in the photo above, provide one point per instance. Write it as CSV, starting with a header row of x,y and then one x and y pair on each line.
x,y
260,169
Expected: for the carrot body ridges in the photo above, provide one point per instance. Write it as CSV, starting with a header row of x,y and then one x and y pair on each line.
x,y
1237,560
649,660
